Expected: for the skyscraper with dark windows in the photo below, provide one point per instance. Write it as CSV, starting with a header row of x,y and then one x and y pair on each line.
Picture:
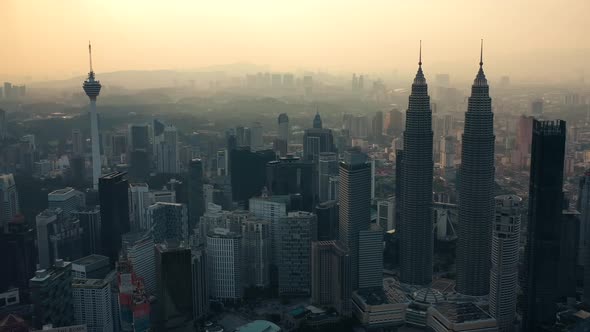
x,y
542,256
196,199
416,239
290,175
583,207
114,212
248,172
476,192
355,206
317,140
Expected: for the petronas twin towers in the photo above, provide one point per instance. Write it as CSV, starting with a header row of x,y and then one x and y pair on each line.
x,y
476,190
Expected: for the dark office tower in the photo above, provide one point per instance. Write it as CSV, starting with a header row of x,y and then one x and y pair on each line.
x,y
200,285
327,168
568,252
476,192
77,171
541,287
51,295
327,213
139,165
174,287
196,200
537,107
584,208
284,132
139,137
355,205
317,140
399,158
290,175
416,239
378,126
17,254
114,212
90,223
248,172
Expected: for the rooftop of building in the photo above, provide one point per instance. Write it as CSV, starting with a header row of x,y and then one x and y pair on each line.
x,y
138,185
45,274
259,326
461,312
387,295
91,260
60,192
89,283
428,295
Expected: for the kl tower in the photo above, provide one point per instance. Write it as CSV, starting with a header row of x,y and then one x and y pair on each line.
x,y
92,89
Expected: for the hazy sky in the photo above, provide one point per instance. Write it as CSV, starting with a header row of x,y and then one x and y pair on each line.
x,y
48,38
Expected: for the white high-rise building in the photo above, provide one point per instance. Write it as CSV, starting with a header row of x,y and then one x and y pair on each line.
x,y
92,304
504,271
139,200
139,248
67,199
271,209
8,200
224,258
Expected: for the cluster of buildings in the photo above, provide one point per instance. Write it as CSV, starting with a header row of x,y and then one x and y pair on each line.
x,y
305,220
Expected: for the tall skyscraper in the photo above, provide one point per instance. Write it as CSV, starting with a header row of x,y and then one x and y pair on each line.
x,y
174,287
328,167
504,272
90,222
51,295
330,275
317,140
290,175
77,145
296,231
167,152
584,242
476,191
9,206
256,141
327,213
377,126
92,90
416,240
58,236
248,172
256,238
139,151
224,258
200,282
18,254
92,304
114,212
284,129
355,206
370,258
138,248
540,286
196,200
139,200
168,222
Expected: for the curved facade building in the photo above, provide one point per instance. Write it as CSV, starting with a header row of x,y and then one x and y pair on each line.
x,y
416,239
476,192
504,272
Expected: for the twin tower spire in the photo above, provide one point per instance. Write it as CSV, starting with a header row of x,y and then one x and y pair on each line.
x,y
480,79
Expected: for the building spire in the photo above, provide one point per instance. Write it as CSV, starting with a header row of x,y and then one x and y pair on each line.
x,y
419,79
480,78
481,54
420,56
90,55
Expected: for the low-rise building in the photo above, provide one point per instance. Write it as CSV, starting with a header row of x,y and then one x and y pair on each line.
x,y
464,317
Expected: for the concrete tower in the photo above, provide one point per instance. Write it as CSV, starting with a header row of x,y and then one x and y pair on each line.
x,y
476,191
416,241
92,90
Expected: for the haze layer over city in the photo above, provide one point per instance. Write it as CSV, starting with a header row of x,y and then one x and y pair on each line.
x,y
267,166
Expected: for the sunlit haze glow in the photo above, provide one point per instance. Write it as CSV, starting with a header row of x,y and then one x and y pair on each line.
x,y
526,39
